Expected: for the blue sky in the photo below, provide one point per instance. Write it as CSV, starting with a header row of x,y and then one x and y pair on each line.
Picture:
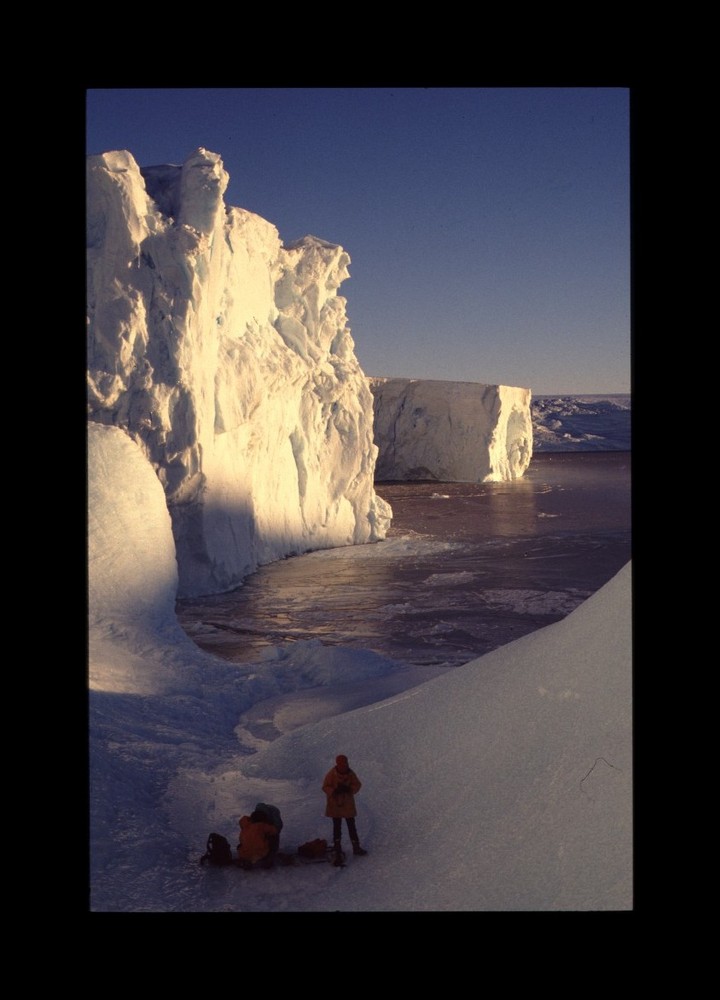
x,y
488,228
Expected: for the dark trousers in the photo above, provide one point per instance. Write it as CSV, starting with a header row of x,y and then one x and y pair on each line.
x,y
337,829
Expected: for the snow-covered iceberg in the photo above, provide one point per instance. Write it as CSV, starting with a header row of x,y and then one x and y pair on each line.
x,y
451,431
228,358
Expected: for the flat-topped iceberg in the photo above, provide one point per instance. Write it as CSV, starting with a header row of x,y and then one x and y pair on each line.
x,y
451,431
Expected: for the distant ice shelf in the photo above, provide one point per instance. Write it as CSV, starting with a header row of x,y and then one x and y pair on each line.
x,y
582,423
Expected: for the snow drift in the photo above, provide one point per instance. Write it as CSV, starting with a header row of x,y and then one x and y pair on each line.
x,y
451,431
505,784
228,358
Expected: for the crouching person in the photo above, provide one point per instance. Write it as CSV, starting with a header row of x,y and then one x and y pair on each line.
x,y
272,815
257,839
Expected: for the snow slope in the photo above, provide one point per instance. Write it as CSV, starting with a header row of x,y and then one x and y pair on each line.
x,y
501,785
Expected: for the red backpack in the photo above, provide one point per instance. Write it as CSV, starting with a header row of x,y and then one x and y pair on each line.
x,y
313,849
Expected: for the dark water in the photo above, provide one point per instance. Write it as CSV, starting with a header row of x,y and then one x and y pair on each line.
x,y
466,567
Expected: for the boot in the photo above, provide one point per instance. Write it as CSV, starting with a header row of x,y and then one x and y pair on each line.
x,y
339,856
357,849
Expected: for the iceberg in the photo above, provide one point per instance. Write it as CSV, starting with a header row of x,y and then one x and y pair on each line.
x,y
451,431
227,357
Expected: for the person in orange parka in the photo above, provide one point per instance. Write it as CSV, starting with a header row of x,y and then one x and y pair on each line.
x,y
256,840
341,785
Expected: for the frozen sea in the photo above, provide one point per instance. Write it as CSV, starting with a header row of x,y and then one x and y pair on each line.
x,y
466,567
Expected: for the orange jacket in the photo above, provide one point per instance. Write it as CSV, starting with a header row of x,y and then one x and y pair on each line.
x,y
341,805
254,840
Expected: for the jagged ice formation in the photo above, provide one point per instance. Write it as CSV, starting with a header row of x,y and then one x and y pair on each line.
x,y
228,358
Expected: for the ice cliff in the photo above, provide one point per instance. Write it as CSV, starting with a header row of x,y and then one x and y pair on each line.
x,y
451,431
227,357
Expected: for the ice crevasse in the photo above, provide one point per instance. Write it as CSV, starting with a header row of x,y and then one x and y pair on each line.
x,y
226,355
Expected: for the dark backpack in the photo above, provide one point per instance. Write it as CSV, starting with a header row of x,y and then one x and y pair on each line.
x,y
272,813
218,850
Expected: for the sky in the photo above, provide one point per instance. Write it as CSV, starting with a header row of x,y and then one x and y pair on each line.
x,y
488,228
501,785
